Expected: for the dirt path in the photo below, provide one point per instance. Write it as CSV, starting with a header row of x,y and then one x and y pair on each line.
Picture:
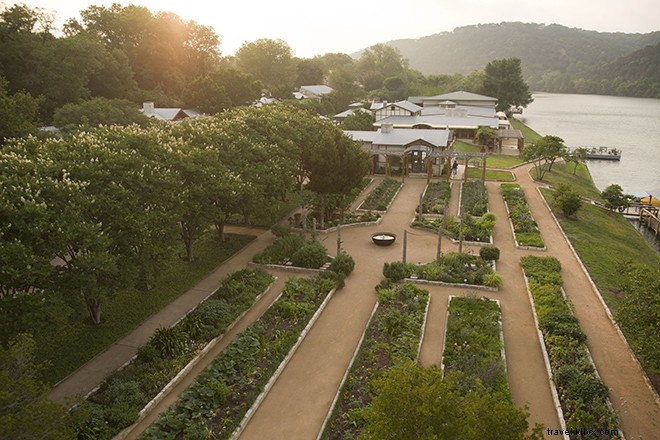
x,y
631,397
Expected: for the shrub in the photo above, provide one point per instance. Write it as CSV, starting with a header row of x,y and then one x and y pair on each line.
x,y
567,199
343,264
311,255
280,231
395,271
493,279
489,253
169,342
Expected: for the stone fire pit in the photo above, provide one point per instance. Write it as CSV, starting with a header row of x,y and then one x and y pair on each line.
x,y
383,238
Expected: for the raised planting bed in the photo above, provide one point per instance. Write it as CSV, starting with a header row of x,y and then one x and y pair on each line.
x,y
381,197
293,250
119,401
351,219
477,231
393,336
435,196
214,405
524,227
581,393
452,268
473,342
474,198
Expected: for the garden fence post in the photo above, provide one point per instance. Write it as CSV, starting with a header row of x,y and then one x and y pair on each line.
x,y
405,244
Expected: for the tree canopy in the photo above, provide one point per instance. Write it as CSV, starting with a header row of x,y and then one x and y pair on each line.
x,y
504,81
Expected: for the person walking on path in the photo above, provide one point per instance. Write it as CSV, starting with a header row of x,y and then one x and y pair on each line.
x,y
454,168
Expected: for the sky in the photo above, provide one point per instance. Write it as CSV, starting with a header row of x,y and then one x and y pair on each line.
x,y
314,28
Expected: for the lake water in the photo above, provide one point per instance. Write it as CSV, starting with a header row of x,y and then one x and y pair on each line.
x,y
629,124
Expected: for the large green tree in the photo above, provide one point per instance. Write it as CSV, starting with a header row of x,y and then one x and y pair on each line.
x,y
18,113
418,403
544,152
504,81
98,111
271,62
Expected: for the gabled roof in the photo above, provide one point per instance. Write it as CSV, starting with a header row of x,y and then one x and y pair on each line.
x,y
401,137
406,105
351,111
462,96
316,89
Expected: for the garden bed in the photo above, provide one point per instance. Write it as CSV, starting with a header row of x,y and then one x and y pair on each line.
x,y
382,196
293,250
474,343
453,269
525,229
580,391
393,335
477,232
221,395
119,401
474,198
434,198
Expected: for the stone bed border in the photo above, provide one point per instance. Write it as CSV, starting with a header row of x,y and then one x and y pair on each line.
x,y
271,382
457,285
546,359
355,354
349,225
600,298
190,365
444,338
359,208
513,231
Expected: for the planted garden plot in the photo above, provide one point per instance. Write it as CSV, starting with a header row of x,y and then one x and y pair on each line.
x,y
435,196
293,250
524,227
382,196
474,198
392,336
214,405
118,402
582,395
476,231
453,268
474,342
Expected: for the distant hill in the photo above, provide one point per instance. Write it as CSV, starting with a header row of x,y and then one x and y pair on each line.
x,y
541,48
643,64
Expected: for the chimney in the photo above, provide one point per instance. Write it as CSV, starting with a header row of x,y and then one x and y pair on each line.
x,y
148,108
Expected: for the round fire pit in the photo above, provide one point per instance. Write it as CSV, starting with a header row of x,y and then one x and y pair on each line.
x,y
383,238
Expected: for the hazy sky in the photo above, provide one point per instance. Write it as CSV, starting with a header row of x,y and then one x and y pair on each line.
x,y
313,28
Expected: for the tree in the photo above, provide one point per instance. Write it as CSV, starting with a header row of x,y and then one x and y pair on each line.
x,y
505,82
577,156
486,137
271,62
221,89
567,199
98,111
615,199
311,71
18,113
360,119
544,152
418,403
25,411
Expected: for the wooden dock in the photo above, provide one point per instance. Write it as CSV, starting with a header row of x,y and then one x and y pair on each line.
x,y
650,218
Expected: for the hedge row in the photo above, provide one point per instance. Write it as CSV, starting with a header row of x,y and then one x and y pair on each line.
x,y
525,228
393,336
583,396
119,400
214,405
473,344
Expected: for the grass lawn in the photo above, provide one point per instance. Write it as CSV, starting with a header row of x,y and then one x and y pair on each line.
x,y
602,240
493,160
73,343
496,175
581,181
529,134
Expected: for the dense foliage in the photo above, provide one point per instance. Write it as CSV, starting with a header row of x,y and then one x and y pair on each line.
x,y
474,198
476,230
392,337
117,403
582,394
221,395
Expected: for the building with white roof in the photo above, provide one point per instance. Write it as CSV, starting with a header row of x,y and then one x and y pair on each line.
x,y
167,113
312,92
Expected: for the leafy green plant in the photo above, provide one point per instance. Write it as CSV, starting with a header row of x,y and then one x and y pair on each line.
x,y
311,255
342,264
395,271
435,197
490,253
381,196
474,198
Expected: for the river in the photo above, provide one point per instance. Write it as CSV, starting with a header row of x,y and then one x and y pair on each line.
x,y
630,124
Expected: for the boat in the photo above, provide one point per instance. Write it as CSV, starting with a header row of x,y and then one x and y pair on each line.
x,y
605,153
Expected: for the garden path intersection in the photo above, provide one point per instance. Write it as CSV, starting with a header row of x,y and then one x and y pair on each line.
x,y
298,402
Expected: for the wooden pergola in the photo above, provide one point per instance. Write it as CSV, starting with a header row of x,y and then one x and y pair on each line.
x,y
433,153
